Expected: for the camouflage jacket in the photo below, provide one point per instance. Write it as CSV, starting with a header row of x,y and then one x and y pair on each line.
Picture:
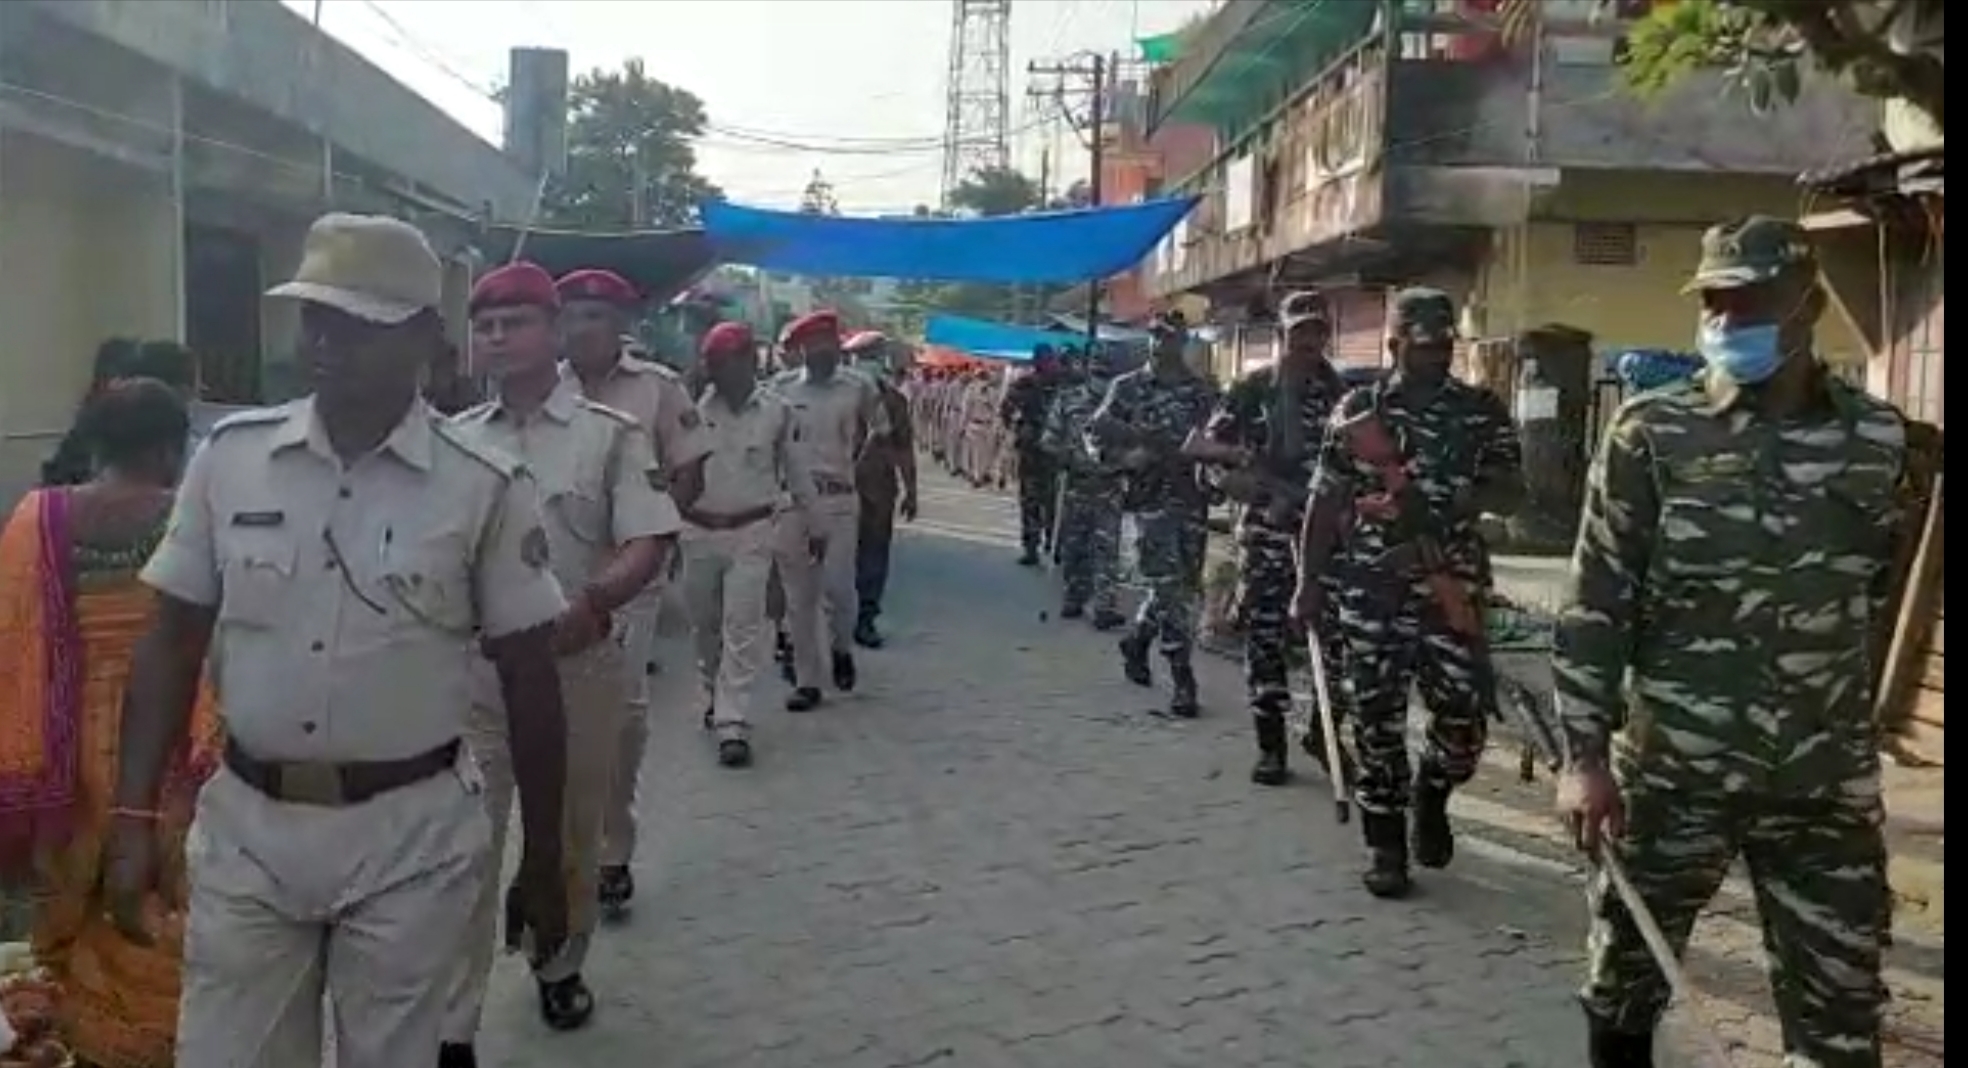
x,y
1067,418
1142,410
1728,574
1458,443
1251,415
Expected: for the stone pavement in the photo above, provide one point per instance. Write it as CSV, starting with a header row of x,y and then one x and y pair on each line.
x,y
993,857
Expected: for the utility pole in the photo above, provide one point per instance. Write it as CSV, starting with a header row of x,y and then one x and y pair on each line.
x,y
1095,69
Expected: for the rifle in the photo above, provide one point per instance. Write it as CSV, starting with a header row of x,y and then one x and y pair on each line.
x,y
1416,550
1541,743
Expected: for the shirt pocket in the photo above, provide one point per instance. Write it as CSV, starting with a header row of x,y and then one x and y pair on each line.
x,y
257,574
429,579
584,512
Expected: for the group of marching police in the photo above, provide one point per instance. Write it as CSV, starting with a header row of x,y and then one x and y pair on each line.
x,y
415,619
1715,662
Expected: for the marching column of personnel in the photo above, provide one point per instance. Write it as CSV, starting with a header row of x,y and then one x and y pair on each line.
x,y
412,618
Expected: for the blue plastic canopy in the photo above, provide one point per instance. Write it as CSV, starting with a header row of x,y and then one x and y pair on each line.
x,y
993,341
1051,246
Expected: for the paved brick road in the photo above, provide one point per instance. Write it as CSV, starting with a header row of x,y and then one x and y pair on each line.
x,y
992,858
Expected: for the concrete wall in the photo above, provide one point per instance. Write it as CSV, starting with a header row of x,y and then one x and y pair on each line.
x,y
1637,306
88,253
1479,114
259,51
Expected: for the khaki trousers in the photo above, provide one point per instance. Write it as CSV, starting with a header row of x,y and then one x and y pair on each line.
x,y
820,598
725,577
591,689
640,624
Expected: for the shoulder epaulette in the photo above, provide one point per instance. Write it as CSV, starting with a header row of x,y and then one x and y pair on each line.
x,y
278,413
615,414
506,465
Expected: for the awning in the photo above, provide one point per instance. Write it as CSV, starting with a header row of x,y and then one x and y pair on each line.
x,y
1052,246
995,341
661,263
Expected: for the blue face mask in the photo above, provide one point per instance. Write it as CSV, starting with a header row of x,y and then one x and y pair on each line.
x,y
1748,354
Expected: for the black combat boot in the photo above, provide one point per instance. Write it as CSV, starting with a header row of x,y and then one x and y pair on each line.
x,y
1607,1048
1432,839
1030,557
1108,619
1273,767
1387,847
1183,701
1134,659
1072,610
457,1055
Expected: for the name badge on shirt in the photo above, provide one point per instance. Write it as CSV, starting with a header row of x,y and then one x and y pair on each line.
x,y
258,519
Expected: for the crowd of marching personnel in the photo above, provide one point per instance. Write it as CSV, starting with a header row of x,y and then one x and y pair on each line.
x,y
419,608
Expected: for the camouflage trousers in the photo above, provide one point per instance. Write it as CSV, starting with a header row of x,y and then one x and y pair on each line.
x,y
1170,545
1038,496
1090,542
1394,644
1818,869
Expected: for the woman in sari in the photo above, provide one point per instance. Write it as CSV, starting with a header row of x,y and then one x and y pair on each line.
x,y
71,611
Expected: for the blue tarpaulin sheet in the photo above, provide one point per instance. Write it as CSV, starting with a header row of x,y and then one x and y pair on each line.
x,y
993,341
1052,246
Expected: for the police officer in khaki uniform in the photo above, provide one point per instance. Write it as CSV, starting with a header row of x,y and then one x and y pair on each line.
x,y
596,309
610,525
835,412
348,550
728,542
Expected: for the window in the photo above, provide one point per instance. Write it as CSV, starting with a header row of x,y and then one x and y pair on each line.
x,y
1605,244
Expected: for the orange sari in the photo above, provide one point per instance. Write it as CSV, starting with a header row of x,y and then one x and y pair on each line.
x,y
70,616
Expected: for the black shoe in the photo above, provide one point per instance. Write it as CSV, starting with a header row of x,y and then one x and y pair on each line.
x,y
1273,767
844,674
866,636
615,889
735,753
1387,873
1028,558
1134,660
1431,837
457,1055
1072,611
783,652
1109,620
566,1004
1607,1048
804,699
1183,702
710,719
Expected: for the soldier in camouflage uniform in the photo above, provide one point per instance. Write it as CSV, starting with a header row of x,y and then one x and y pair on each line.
x,y
1414,460
1267,432
1715,663
1141,427
1090,521
1023,413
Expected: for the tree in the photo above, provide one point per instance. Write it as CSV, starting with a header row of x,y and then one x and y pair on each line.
x,y
992,191
844,295
1882,48
818,196
630,161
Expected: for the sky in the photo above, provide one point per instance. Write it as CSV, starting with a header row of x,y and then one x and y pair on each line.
x,y
854,88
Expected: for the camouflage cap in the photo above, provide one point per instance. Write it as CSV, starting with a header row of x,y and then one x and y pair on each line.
x,y
1749,251
1423,314
1303,307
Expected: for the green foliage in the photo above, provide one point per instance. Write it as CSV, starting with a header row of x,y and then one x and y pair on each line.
x,y
626,129
1882,48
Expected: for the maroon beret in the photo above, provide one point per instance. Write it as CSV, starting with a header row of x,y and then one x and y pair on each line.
x,y
606,286
812,324
515,284
726,339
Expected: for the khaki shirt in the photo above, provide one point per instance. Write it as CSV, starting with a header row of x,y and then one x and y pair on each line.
x,y
598,476
348,594
753,463
832,419
652,395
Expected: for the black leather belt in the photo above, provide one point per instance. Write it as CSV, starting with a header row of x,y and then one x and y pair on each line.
x,y
832,487
334,785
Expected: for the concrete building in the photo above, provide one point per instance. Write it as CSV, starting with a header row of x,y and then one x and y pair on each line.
x,y
1365,146
159,163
